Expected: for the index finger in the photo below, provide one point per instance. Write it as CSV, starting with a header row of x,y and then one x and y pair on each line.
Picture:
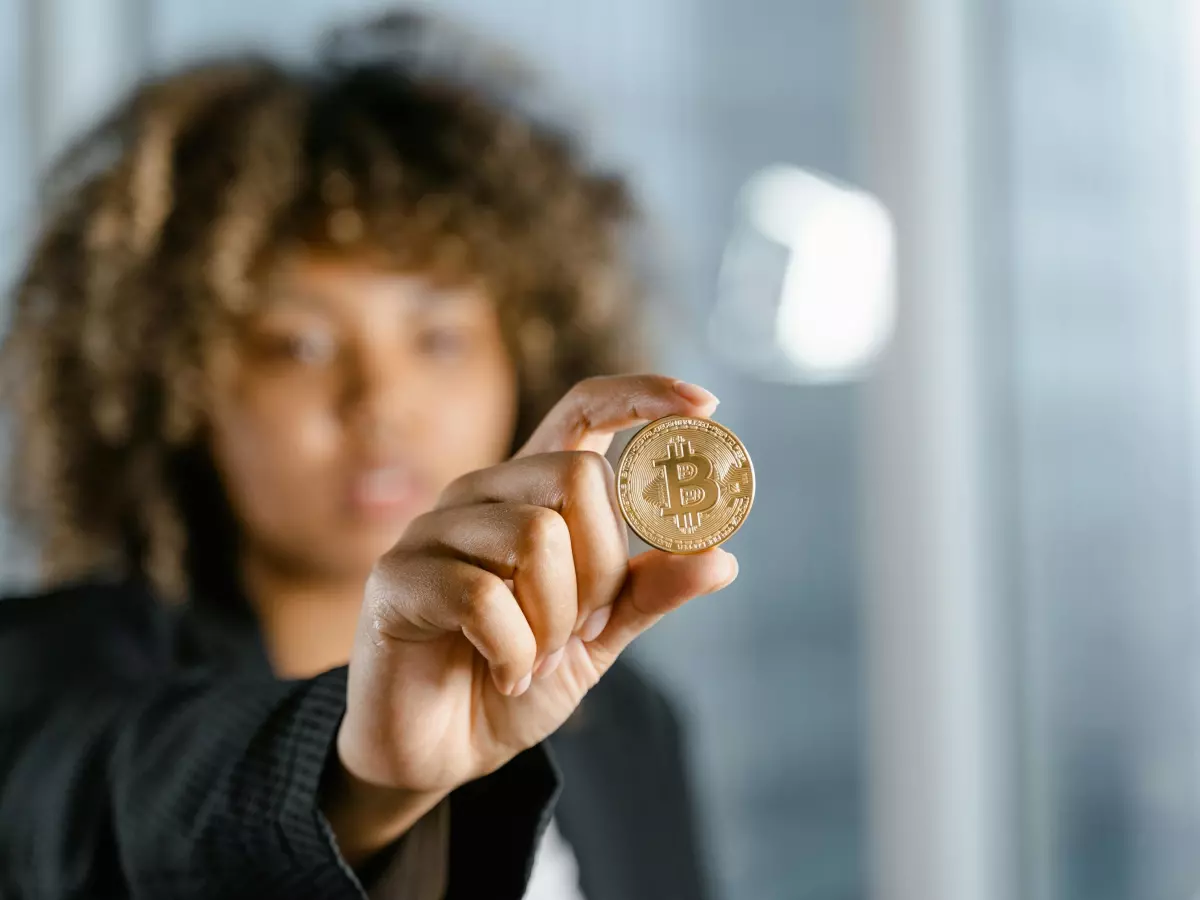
x,y
597,408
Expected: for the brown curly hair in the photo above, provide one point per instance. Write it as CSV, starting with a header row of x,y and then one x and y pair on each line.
x,y
403,137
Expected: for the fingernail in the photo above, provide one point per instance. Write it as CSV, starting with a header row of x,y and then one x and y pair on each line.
x,y
522,685
550,663
693,393
595,624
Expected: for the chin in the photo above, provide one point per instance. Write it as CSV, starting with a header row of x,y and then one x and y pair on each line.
x,y
351,563
360,542
376,539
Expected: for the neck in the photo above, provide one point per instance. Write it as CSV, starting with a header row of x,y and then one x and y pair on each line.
x,y
308,622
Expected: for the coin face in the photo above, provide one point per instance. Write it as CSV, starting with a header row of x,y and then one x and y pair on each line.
x,y
685,484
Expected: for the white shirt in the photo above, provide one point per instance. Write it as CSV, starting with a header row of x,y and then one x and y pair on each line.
x,y
419,870
555,871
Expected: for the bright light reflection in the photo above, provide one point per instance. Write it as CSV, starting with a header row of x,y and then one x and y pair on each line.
x,y
835,301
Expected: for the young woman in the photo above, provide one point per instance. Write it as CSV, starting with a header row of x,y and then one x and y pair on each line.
x,y
307,623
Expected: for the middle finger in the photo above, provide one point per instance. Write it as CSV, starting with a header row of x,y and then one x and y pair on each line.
x,y
528,546
580,486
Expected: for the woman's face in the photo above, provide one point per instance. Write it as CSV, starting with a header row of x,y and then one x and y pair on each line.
x,y
347,402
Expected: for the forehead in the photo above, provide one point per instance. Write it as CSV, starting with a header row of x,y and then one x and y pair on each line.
x,y
328,279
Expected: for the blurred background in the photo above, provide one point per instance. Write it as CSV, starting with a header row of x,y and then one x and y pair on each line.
x,y
938,259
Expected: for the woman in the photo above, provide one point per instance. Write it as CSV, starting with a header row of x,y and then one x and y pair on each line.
x,y
307,628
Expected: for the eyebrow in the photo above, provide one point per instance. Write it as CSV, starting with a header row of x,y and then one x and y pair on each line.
x,y
283,299
432,297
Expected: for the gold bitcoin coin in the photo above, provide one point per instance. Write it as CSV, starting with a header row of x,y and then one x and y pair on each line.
x,y
685,484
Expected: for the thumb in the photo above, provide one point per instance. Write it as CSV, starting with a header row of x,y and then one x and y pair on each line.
x,y
658,583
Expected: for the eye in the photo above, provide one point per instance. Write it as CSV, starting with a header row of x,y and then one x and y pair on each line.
x,y
443,341
311,349
307,347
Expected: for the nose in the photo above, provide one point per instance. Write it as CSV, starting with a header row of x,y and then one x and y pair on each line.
x,y
381,403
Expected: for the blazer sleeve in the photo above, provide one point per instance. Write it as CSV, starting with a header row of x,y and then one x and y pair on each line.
x,y
121,777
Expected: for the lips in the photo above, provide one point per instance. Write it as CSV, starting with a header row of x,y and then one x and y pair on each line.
x,y
386,490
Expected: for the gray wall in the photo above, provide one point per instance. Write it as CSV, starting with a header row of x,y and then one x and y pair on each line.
x,y
1104,457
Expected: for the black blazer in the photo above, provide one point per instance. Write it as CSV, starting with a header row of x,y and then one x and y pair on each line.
x,y
147,751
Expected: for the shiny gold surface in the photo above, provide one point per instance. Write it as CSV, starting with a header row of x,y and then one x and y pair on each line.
x,y
685,484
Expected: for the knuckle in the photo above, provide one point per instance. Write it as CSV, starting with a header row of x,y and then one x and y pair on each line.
x,y
388,572
585,470
431,531
457,488
377,595
584,395
392,590
585,387
481,601
413,536
589,483
479,595
545,531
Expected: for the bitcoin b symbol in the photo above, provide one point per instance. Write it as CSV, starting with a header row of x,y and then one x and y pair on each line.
x,y
691,489
696,495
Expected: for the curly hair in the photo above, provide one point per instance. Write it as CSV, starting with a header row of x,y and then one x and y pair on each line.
x,y
403,137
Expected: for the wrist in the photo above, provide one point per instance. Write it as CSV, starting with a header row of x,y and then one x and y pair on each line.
x,y
366,818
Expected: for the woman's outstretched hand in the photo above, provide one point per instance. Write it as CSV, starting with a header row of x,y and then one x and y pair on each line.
x,y
485,626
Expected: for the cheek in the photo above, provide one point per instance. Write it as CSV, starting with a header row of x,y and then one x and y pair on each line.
x,y
265,441
474,427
